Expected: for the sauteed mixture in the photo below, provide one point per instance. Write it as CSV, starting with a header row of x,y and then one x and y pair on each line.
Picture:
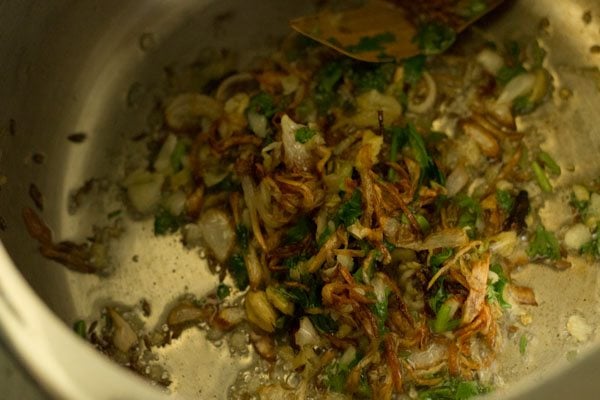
x,y
363,219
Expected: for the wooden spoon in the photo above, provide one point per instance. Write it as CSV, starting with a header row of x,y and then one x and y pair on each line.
x,y
379,30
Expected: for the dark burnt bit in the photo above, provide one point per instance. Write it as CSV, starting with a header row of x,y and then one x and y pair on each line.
x,y
36,196
139,137
146,308
38,158
78,137
12,127
516,218
3,225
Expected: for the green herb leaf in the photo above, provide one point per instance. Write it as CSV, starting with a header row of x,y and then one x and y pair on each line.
x,y
368,76
299,231
541,177
473,9
114,214
469,212
505,200
592,248
304,134
262,103
327,79
523,105
324,323
543,245
350,211
436,260
79,327
506,74
165,222
453,389
549,163
372,43
523,344
177,156
242,234
429,169
238,271
223,291
413,69
495,291
434,38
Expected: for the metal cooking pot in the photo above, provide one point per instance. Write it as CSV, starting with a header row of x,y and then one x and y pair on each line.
x,y
91,67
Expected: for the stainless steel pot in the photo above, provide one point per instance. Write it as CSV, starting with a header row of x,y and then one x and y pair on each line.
x,y
92,67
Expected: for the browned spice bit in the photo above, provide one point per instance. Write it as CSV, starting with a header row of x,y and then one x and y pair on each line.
x,y
146,308
562,265
587,17
38,158
36,196
523,295
595,49
140,136
77,137
12,127
544,24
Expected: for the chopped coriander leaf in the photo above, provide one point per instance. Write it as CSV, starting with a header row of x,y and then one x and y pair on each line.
x,y
292,262
226,185
324,323
549,163
453,389
223,291
309,297
113,214
79,327
434,38
372,43
324,236
364,389
263,104
541,178
470,211
424,224
336,376
299,231
439,297
543,245
304,134
495,291
165,222
505,200
537,54
327,78
399,139
242,234
366,76
523,344
177,156
513,50
429,169
592,248
436,260
473,9
238,271
413,69
523,105
506,74
350,211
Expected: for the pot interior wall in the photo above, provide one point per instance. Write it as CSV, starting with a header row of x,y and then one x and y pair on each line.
x,y
98,69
